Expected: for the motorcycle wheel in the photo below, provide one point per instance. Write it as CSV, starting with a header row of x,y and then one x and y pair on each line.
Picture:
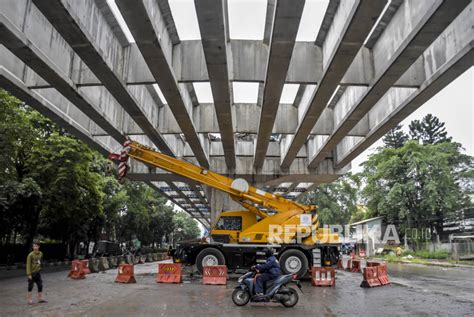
x,y
240,297
292,298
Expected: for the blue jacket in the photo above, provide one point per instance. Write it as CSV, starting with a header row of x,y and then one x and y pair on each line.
x,y
271,266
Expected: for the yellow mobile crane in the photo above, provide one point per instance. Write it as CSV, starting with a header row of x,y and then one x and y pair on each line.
x,y
268,220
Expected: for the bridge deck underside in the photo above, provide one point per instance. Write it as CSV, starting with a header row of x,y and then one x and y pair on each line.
x,y
371,64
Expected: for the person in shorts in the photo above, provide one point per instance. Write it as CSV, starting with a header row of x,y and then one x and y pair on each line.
x,y
33,270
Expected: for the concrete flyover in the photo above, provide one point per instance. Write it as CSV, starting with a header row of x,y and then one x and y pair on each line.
x,y
371,64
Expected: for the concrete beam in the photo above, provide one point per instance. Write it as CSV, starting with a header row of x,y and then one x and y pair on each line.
x,y
139,19
285,27
346,35
447,58
205,223
169,21
211,20
327,22
68,24
112,21
411,31
24,49
183,196
18,89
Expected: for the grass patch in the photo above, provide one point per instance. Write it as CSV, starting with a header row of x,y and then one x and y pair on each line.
x,y
437,255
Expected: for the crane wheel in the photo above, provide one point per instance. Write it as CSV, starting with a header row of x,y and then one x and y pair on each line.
x,y
208,257
294,262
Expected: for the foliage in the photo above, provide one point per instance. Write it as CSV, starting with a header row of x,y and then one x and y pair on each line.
x,y
430,130
187,227
395,138
416,185
54,186
337,201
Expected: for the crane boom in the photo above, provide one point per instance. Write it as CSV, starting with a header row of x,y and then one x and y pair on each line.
x,y
238,236
238,189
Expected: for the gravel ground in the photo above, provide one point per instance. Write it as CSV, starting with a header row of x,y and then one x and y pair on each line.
x,y
98,295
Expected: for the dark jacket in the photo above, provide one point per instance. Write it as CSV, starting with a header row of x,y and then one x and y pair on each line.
x,y
271,266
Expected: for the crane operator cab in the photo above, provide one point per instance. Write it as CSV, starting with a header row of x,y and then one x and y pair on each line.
x,y
228,226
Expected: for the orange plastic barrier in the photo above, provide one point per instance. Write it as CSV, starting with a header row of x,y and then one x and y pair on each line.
x,y
323,276
76,272
125,274
377,274
85,266
214,275
372,263
382,273
355,267
371,278
169,273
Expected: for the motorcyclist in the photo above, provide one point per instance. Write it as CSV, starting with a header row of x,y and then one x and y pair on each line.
x,y
269,271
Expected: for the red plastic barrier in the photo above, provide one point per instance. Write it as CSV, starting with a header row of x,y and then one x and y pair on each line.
x,y
372,263
323,276
77,271
169,273
214,275
85,266
125,274
355,267
371,278
383,275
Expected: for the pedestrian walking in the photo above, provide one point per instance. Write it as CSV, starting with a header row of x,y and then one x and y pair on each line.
x,y
33,271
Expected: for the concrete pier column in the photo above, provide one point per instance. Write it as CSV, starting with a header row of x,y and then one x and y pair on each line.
x,y
219,201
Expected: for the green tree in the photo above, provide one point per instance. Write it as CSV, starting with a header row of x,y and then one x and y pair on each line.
x,y
20,195
72,205
186,226
430,130
337,201
395,138
416,185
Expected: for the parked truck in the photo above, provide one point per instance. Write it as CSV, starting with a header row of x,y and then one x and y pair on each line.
x,y
238,237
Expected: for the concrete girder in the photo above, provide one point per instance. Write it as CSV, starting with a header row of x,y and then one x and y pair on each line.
x,y
112,21
413,28
346,35
286,21
182,195
214,42
267,32
327,22
247,60
18,89
298,171
169,21
69,25
149,40
18,43
203,221
245,117
447,58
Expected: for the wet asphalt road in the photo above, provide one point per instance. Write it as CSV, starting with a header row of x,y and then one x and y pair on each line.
x,y
419,291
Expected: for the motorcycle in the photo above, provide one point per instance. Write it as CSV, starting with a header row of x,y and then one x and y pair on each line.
x,y
275,290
